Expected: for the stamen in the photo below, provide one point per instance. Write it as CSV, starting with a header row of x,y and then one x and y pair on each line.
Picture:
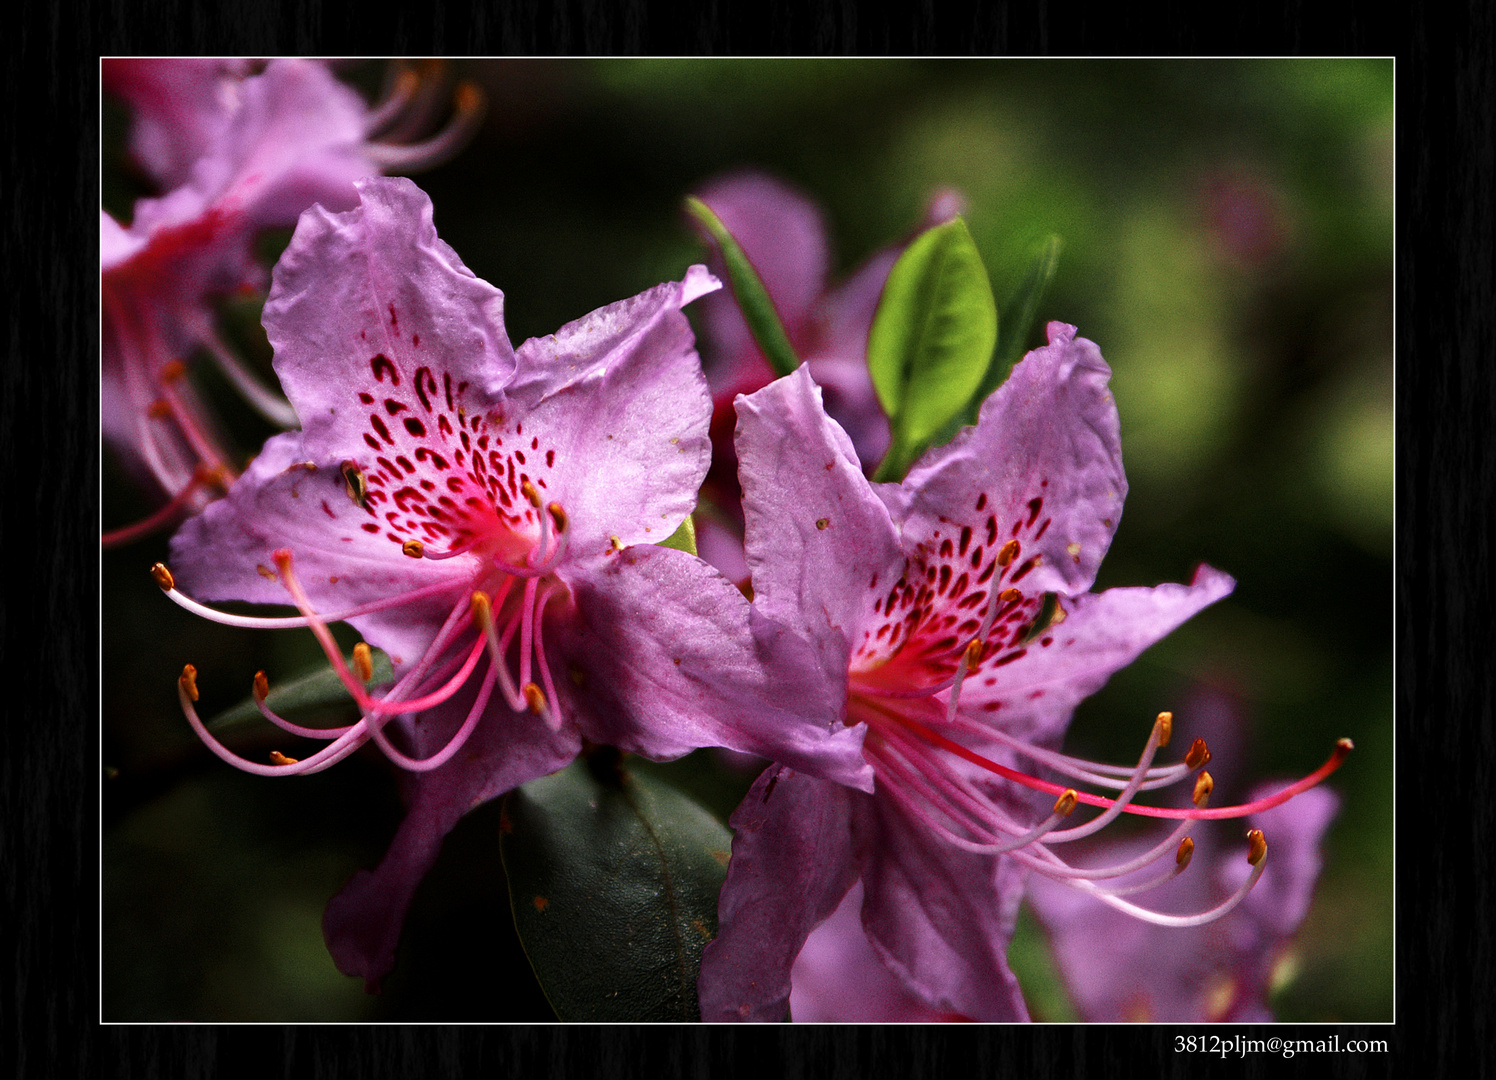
x,y
269,404
277,758
1166,728
534,698
1256,847
188,681
1336,758
558,515
469,107
527,489
163,577
1007,553
1198,754
363,661
202,477
1204,785
413,548
1186,852
290,622
282,559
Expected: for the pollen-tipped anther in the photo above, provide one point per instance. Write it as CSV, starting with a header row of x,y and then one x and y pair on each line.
x,y
413,548
277,758
1256,847
973,652
261,688
1198,754
1204,785
1065,804
1185,854
1007,553
363,661
558,517
1165,725
162,576
188,681
528,490
534,698
482,608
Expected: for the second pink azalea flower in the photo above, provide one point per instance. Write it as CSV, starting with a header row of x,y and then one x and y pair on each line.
x,y
951,617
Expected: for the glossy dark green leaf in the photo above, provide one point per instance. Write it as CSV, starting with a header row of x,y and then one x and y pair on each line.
x,y
931,340
321,688
753,299
613,879
1017,320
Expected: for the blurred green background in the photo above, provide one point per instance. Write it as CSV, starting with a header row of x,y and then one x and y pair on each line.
x,y
1227,231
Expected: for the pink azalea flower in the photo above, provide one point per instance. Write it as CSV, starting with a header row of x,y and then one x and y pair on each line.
x,y
950,615
488,516
244,154
782,233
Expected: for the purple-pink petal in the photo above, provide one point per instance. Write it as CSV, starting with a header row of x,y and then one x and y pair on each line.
x,y
815,535
1046,453
793,859
664,637
942,918
372,304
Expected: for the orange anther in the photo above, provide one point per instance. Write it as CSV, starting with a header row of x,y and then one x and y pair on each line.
x,y
1008,553
188,681
1066,802
1186,852
1256,846
1165,726
528,490
1198,754
363,661
558,516
534,698
414,548
162,576
1204,785
277,758
262,687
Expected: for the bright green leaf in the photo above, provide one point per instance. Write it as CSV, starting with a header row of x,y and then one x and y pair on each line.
x,y
1017,320
931,340
322,687
613,879
753,299
683,538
